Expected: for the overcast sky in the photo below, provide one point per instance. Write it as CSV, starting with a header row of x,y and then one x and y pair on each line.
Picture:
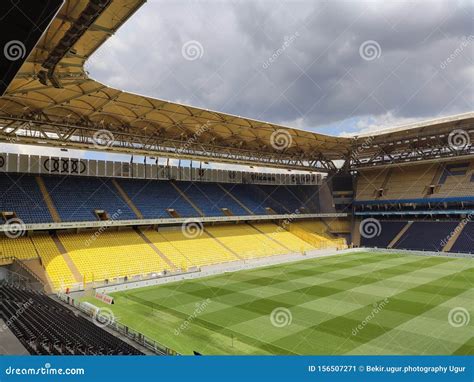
x,y
335,67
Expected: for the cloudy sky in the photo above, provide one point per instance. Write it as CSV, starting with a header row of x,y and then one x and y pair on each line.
x,y
335,67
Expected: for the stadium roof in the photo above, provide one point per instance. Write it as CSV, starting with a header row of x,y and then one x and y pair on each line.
x,y
52,100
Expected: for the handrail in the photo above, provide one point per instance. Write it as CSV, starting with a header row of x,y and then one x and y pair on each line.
x,y
116,325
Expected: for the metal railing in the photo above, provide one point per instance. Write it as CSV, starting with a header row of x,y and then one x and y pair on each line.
x,y
134,335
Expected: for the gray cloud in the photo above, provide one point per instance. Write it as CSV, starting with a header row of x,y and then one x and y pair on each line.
x,y
298,61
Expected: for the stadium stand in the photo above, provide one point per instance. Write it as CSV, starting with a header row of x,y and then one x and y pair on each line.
x,y
465,241
20,248
210,198
152,199
316,233
248,195
111,255
21,195
388,232
90,194
285,238
246,241
58,271
45,327
186,252
426,235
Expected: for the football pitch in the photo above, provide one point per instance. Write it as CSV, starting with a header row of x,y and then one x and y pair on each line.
x,y
357,303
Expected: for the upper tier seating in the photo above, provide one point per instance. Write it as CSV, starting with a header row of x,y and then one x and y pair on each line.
x,y
450,180
456,180
45,327
76,198
247,194
426,235
465,241
210,198
154,197
20,194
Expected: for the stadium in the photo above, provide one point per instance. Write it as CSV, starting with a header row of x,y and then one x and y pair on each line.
x,y
324,245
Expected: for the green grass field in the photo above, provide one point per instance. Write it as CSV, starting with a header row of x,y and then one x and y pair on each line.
x,y
358,303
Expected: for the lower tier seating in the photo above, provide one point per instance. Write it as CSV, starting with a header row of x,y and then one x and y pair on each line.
x,y
426,236
111,255
317,233
284,237
187,252
21,248
46,327
388,231
53,262
246,241
465,241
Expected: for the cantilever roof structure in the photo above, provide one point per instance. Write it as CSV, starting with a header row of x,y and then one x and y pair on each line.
x,y
52,100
